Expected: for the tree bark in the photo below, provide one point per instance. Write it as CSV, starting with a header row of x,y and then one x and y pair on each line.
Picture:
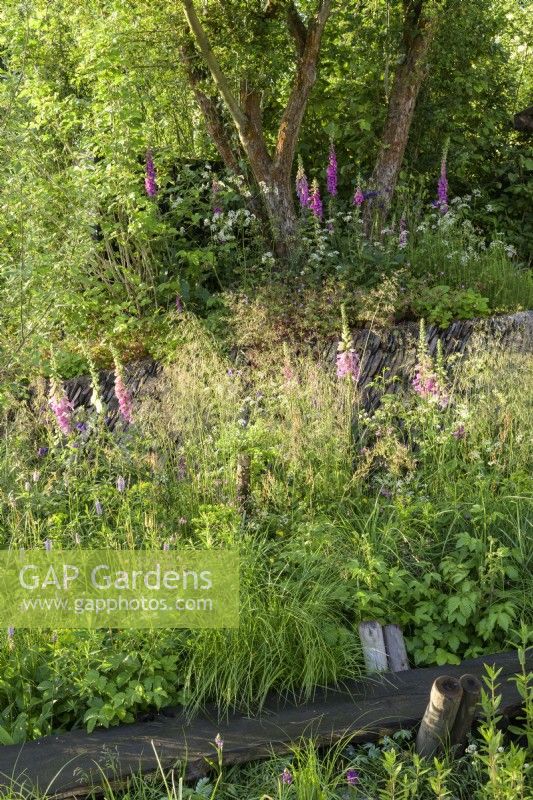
x,y
418,33
272,172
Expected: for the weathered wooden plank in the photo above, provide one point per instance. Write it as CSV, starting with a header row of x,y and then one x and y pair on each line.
x,y
395,646
371,635
67,764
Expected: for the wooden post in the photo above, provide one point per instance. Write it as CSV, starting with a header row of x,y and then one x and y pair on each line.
x,y
471,687
374,652
395,647
243,481
439,717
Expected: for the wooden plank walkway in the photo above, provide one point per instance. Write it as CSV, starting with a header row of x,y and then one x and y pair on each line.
x,y
69,764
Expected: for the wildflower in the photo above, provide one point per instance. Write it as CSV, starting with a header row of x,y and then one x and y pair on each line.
x,y
348,363
402,239
358,198
166,546
471,748
352,777
98,507
315,203
36,475
53,637
42,452
27,486
331,172
62,409
10,637
81,427
442,186
121,483
121,391
96,400
179,305
150,180
428,381
459,432
47,545
302,186
219,742
286,777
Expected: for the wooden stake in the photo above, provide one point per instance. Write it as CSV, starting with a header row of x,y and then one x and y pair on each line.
x,y
439,717
371,635
471,687
395,647
243,481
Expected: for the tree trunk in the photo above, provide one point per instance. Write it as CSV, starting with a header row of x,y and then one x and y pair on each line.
x,y
418,33
272,173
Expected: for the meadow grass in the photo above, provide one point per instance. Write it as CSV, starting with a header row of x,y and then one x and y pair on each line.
x,y
414,514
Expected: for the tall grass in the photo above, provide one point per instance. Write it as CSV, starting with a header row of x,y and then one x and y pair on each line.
x,y
347,515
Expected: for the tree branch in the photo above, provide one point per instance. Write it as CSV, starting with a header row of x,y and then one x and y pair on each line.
x,y
214,119
214,67
305,78
296,27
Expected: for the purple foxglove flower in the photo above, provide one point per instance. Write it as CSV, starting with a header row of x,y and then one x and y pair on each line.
x,y
315,203
179,305
331,172
47,545
62,409
124,398
98,507
150,179
442,188
426,385
348,365
219,742
352,777
302,186
286,777
42,452
121,484
358,198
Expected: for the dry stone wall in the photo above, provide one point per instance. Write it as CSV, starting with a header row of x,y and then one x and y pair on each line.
x,y
391,350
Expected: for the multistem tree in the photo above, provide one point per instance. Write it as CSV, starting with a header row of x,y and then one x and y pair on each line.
x,y
271,167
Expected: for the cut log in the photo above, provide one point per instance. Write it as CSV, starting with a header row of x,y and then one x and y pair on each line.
x,y
395,647
438,720
471,687
68,765
375,655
